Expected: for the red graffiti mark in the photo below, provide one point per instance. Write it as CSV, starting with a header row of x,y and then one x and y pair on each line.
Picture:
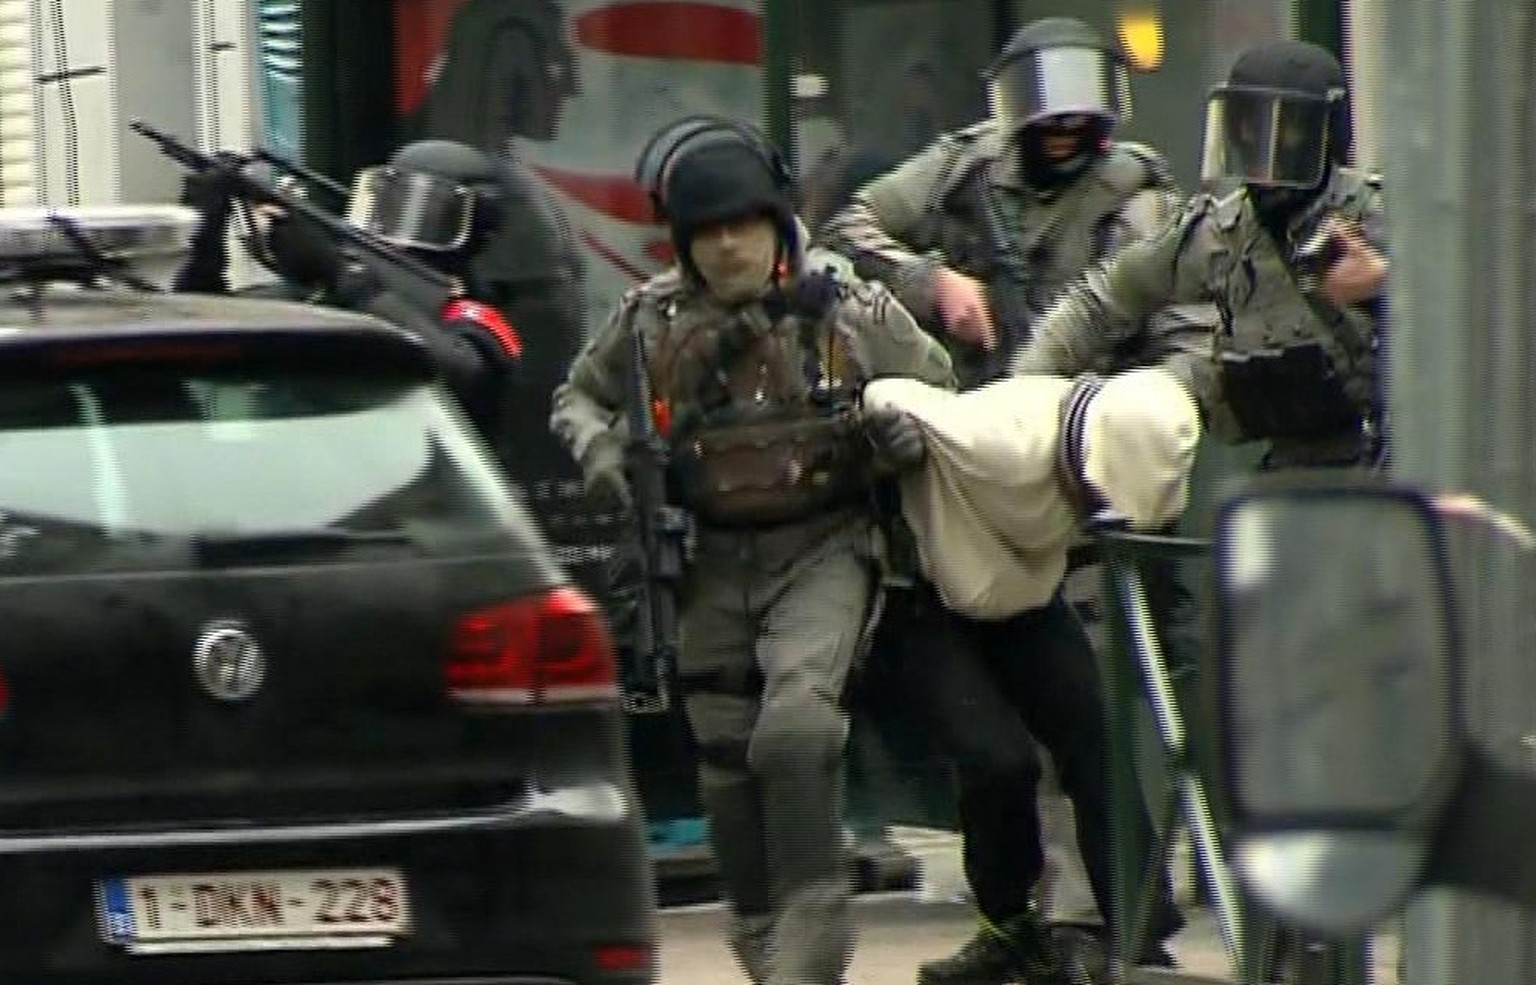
x,y
662,251
674,29
612,256
618,197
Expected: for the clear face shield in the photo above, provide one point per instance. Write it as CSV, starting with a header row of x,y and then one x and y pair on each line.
x,y
412,209
1057,82
1270,138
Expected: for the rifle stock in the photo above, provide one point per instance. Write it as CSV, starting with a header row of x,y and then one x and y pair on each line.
x,y
394,269
661,533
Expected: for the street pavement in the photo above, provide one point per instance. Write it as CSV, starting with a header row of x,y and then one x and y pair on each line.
x,y
898,931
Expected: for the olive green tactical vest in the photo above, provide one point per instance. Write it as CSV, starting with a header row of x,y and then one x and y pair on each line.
x,y
757,411
1262,302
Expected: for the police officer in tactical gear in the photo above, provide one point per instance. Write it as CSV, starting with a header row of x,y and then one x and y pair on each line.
x,y
442,203
1043,169
756,351
1294,258
1040,187
437,202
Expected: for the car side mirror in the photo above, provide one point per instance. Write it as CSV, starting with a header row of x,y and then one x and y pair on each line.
x,y
1337,650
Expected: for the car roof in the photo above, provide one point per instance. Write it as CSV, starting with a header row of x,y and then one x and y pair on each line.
x,y
126,313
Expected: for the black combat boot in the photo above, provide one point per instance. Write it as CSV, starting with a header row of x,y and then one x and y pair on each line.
x,y
1019,951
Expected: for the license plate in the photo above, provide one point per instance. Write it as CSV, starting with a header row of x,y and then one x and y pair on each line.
x,y
222,911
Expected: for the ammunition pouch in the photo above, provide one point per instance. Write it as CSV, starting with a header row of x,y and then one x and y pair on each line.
x,y
772,469
1294,392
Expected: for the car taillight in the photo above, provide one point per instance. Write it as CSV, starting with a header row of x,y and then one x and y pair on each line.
x,y
543,649
623,957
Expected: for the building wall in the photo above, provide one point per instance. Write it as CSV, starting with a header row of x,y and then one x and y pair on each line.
x,y
1365,25
74,73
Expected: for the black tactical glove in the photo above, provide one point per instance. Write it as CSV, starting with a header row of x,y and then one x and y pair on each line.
x,y
897,439
602,470
303,253
814,293
212,190
809,296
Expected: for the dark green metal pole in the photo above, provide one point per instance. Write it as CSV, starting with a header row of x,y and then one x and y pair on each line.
x,y
1129,850
779,17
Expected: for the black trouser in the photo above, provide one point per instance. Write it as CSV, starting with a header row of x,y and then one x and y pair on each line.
x,y
984,690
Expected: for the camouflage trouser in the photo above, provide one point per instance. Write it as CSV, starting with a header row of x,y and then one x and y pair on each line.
x,y
770,630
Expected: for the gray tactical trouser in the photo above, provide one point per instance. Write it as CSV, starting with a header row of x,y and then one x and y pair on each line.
x,y
771,626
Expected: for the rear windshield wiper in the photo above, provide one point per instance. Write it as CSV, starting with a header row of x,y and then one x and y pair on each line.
x,y
225,546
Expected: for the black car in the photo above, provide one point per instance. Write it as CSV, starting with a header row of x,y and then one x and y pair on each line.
x,y
291,687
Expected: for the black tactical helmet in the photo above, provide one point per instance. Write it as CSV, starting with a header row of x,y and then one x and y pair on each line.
x,y
434,195
1056,67
1281,119
702,170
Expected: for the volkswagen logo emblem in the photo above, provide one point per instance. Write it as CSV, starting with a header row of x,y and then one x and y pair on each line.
x,y
228,661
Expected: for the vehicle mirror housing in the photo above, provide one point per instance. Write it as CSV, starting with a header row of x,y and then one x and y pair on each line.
x,y
1338,665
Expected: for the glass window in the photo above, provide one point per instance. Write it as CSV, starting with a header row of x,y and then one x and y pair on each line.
x,y
125,470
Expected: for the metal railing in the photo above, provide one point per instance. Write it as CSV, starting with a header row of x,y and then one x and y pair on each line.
x,y
1258,950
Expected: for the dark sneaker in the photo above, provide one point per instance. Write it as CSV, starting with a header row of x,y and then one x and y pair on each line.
x,y
1156,955
1019,952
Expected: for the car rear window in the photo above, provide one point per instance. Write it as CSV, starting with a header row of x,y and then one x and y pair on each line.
x,y
134,468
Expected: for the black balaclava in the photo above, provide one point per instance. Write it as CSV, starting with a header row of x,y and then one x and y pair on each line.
x,y
1037,170
1041,172
1301,67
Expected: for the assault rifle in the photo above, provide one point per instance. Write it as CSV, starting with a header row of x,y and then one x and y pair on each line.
x,y
661,534
1003,271
298,170
419,284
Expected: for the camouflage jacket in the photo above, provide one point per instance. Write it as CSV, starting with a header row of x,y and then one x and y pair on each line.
x,y
705,359
902,227
1218,251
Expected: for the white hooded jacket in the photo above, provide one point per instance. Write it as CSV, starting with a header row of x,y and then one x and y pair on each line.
x,y
988,509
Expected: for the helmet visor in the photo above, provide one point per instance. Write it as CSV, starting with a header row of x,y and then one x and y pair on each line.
x,y
412,209
1062,81
1267,137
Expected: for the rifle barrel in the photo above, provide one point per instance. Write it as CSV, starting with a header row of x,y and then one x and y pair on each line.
x,y
341,229
308,174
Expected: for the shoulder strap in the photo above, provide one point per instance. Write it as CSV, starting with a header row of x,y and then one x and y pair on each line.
x,y
975,146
